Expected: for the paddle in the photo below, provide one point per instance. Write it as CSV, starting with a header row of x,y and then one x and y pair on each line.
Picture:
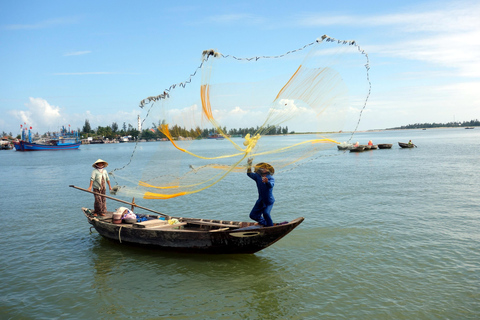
x,y
130,203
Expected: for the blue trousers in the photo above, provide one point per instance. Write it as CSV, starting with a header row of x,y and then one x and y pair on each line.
x,y
261,209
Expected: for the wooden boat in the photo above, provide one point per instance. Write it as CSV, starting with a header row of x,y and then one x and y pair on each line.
x,y
188,234
384,146
192,235
345,146
369,146
358,149
406,145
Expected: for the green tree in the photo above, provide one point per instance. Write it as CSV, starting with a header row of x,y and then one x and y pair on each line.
x,y
86,127
106,132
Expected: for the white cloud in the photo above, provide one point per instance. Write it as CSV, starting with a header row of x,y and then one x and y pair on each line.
x,y
42,24
452,17
39,114
82,73
429,56
237,18
445,37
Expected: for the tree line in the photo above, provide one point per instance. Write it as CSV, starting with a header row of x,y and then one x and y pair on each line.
x,y
471,123
114,131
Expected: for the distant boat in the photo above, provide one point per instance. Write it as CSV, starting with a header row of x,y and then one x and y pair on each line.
x,y
30,146
65,140
345,146
358,149
97,141
215,136
469,128
384,146
406,145
5,145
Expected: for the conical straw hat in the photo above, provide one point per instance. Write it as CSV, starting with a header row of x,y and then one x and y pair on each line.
x,y
100,161
265,166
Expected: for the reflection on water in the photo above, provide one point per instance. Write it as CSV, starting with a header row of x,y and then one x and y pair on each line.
x,y
223,286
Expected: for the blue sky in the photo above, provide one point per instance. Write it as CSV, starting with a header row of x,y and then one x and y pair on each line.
x,y
63,62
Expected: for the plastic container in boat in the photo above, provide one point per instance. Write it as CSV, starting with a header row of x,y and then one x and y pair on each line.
x,y
117,217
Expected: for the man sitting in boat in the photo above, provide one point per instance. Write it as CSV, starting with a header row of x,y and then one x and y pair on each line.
x,y
265,182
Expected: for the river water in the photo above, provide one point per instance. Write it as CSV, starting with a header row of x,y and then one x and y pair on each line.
x,y
388,234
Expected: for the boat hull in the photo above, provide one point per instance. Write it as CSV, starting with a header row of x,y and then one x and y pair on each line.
x,y
385,146
345,146
28,146
406,145
195,235
358,149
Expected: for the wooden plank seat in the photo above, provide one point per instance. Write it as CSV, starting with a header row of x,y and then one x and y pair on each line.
x,y
213,224
168,226
150,223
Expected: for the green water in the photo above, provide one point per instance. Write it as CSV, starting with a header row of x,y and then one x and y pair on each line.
x,y
389,234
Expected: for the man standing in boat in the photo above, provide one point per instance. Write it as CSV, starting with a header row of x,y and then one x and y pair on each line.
x,y
265,182
98,181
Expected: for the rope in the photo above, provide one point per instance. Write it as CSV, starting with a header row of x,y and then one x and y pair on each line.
x,y
119,238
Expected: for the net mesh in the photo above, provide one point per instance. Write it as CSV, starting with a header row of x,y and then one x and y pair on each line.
x,y
279,110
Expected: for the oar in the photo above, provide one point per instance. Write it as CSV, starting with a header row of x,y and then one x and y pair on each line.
x,y
130,203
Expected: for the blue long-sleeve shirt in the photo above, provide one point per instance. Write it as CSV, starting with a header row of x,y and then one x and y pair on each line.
x,y
265,190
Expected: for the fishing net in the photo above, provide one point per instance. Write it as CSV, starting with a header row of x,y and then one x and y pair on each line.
x,y
279,110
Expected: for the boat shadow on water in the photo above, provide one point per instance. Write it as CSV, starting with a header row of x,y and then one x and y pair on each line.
x,y
263,294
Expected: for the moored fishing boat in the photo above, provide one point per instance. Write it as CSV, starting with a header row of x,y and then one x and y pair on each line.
x,y
358,149
64,140
384,146
345,146
5,145
30,146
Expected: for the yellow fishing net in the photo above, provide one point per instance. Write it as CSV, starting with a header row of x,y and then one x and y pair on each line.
x,y
275,109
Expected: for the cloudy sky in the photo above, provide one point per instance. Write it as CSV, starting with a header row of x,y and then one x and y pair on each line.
x,y
62,62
